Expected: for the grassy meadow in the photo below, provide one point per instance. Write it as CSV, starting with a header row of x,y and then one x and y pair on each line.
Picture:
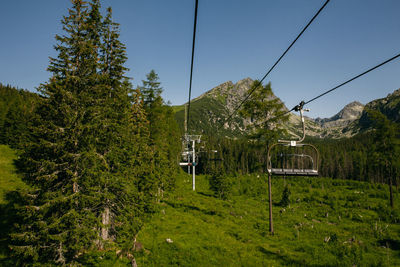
x,y
327,223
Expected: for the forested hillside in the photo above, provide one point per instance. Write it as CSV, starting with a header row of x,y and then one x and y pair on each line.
x,y
353,144
389,106
16,114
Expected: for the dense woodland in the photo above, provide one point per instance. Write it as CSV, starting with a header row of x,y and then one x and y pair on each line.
x,y
98,155
16,112
353,158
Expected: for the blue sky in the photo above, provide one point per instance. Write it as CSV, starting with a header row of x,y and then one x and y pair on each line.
x,y
235,39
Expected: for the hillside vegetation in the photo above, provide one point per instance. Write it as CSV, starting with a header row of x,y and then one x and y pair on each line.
x,y
327,223
16,114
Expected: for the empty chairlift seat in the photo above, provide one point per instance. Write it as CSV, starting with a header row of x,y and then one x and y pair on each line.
x,y
293,159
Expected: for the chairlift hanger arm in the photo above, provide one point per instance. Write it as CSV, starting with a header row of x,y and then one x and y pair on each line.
x,y
300,109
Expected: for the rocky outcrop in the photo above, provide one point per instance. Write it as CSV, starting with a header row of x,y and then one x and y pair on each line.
x,y
228,93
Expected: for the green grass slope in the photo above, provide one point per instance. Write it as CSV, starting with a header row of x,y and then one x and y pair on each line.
x,y
328,223
9,179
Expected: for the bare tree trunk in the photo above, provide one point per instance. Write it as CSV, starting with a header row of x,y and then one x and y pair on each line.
x,y
133,262
75,188
105,220
271,225
60,255
391,191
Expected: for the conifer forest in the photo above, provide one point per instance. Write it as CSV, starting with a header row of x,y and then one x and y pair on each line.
x,y
95,171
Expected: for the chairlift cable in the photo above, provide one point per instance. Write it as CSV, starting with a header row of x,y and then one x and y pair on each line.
x,y
336,87
276,63
191,64
352,79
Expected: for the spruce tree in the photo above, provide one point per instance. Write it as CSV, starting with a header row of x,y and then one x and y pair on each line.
x,y
262,109
386,148
58,225
164,133
151,89
89,159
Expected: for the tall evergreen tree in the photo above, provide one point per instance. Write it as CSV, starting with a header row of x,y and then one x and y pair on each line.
x,y
151,89
386,147
89,160
262,109
164,132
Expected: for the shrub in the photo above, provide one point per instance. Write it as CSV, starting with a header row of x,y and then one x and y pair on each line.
x,y
285,201
221,185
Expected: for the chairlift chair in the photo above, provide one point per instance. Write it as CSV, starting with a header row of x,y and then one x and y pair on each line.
x,y
292,157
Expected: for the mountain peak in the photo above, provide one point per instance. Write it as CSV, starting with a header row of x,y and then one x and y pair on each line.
x,y
247,80
349,113
228,92
396,93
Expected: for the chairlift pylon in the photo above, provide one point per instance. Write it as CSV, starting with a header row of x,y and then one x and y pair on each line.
x,y
188,156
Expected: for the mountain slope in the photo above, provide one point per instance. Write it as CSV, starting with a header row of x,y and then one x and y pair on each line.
x,y
211,109
389,106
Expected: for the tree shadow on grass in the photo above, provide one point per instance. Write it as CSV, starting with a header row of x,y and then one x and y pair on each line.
x,y
286,260
390,243
8,218
187,207
205,194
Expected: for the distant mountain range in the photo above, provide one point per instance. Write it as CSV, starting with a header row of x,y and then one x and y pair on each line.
x,y
208,114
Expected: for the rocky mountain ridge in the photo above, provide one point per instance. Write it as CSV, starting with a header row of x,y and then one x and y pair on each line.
x,y
211,109
349,113
389,105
